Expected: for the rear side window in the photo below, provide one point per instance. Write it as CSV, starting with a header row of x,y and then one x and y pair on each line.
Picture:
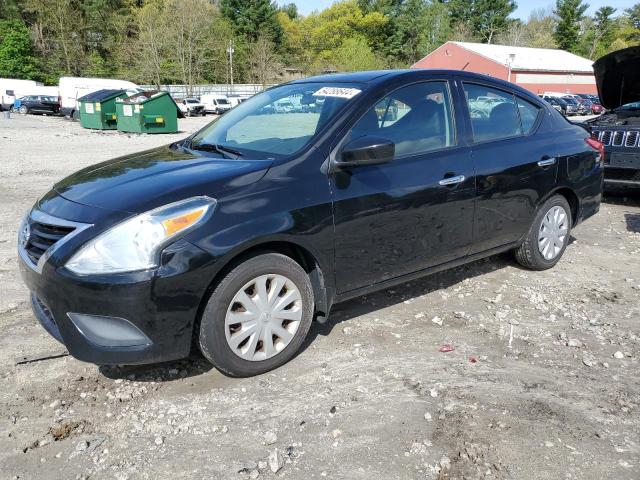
x,y
494,113
528,114
417,119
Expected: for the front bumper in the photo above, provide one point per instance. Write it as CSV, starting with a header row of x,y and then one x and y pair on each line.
x,y
159,306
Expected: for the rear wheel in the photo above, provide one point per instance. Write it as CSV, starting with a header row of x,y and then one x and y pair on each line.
x,y
258,316
548,236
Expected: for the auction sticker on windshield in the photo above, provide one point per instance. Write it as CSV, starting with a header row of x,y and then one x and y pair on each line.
x,y
337,92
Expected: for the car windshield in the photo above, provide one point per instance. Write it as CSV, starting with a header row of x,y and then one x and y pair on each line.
x,y
192,100
570,101
223,101
262,128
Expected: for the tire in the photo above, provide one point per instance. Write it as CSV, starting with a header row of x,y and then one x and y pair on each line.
x,y
23,110
215,335
529,254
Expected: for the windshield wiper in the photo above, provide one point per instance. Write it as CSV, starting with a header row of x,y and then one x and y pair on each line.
x,y
221,149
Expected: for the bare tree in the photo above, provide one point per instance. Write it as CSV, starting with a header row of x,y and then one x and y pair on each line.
x,y
265,64
151,48
189,34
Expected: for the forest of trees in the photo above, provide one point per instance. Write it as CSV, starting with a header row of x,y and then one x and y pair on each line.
x,y
187,41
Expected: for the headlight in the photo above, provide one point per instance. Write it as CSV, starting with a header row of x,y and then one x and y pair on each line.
x,y
135,243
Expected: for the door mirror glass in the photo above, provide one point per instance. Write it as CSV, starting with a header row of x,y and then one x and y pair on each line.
x,y
367,150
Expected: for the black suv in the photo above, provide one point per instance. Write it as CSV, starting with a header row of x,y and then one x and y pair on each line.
x,y
39,104
236,238
618,80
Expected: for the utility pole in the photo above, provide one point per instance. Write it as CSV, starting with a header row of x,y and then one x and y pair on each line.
x,y
230,52
510,60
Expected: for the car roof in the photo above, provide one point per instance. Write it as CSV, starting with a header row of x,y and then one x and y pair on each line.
x,y
376,76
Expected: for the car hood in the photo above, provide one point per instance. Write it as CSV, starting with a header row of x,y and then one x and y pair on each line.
x,y
618,77
143,181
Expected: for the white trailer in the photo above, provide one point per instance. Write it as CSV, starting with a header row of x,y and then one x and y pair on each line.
x,y
11,88
72,88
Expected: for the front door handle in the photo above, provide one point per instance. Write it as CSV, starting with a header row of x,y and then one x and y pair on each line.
x,y
452,180
547,162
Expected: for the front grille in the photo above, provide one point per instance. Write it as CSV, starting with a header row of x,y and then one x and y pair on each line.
x,y
43,236
618,138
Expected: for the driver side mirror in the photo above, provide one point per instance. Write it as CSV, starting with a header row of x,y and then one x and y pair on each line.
x,y
367,150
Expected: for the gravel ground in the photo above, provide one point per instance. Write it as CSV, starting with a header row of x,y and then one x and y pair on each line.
x,y
542,382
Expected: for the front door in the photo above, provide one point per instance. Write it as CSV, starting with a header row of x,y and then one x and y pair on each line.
x,y
417,210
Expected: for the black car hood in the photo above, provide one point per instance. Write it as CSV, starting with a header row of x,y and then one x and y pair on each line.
x,y
143,181
618,77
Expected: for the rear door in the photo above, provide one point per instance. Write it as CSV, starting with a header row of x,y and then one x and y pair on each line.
x,y
415,211
515,162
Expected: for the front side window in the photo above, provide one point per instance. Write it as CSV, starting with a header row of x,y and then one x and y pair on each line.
x,y
279,121
494,113
417,119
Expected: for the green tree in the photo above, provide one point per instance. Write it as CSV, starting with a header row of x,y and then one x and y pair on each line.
x,y
418,27
598,33
352,55
16,51
540,30
252,18
9,10
290,9
633,14
490,17
481,18
569,13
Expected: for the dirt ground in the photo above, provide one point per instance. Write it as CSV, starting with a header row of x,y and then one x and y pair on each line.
x,y
542,383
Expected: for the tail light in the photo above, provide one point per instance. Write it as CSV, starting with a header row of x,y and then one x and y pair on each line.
x,y
597,145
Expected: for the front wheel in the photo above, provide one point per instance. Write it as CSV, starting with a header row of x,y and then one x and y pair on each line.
x,y
548,236
258,316
23,110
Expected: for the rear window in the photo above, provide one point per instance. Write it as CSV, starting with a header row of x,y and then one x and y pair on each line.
x,y
496,114
528,114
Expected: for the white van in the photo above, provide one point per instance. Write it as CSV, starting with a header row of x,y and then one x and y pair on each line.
x,y
10,89
72,88
215,103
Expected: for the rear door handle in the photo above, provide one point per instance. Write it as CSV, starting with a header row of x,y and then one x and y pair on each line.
x,y
452,180
546,162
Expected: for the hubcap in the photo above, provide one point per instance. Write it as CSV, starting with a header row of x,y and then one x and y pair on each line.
x,y
263,317
553,232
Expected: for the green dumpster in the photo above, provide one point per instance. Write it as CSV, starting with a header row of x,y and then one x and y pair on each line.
x,y
147,112
98,109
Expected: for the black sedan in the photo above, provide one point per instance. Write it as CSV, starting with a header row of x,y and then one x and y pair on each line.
x,y
236,238
39,104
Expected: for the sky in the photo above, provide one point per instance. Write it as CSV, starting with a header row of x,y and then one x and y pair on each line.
x,y
524,6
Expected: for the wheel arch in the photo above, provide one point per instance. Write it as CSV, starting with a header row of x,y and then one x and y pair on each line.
x,y
571,197
302,255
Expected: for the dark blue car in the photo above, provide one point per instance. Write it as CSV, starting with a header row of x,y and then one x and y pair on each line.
x,y
238,237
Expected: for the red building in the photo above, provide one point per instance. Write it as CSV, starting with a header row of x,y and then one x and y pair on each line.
x,y
536,69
